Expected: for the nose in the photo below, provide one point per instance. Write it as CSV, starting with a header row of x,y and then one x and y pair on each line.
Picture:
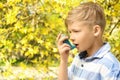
x,y
72,38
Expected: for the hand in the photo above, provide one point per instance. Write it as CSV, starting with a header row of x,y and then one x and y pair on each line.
x,y
63,48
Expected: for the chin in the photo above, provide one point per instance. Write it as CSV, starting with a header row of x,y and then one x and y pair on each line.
x,y
81,50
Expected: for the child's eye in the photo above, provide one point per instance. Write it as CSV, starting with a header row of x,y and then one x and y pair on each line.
x,y
76,31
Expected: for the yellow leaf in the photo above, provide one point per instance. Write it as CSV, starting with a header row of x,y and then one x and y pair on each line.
x,y
48,45
18,25
46,53
1,5
11,15
23,41
36,49
55,50
40,41
34,61
23,65
30,36
44,31
27,1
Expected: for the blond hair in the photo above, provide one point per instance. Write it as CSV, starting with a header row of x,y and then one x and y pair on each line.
x,y
89,12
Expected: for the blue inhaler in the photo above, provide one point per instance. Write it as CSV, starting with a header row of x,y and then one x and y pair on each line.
x,y
69,43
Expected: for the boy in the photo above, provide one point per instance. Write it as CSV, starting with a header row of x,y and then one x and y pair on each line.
x,y
86,25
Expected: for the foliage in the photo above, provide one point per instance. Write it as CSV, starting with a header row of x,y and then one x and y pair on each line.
x,y
28,29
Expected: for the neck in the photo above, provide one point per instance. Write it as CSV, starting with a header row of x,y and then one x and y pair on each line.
x,y
94,48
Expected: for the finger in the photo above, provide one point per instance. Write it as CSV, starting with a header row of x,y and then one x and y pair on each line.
x,y
65,49
60,41
64,46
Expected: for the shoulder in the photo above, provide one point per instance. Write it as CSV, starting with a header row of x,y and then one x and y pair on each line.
x,y
110,69
110,62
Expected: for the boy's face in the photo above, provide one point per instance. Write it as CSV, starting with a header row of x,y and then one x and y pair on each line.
x,y
81,35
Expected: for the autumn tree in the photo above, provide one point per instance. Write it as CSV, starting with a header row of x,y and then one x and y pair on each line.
x,y
28,28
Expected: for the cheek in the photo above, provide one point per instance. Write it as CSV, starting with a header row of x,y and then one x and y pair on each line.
x,y
85,38
82,37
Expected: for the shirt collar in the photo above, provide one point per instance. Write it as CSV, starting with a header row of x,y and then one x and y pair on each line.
x,y
99,54
102,51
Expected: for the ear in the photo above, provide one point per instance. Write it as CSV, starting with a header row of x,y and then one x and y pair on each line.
x,y
96,30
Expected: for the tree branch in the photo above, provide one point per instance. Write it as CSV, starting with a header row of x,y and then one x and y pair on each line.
x,y
114,27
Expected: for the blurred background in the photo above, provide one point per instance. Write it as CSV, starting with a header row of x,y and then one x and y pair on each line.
x,y
28,30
